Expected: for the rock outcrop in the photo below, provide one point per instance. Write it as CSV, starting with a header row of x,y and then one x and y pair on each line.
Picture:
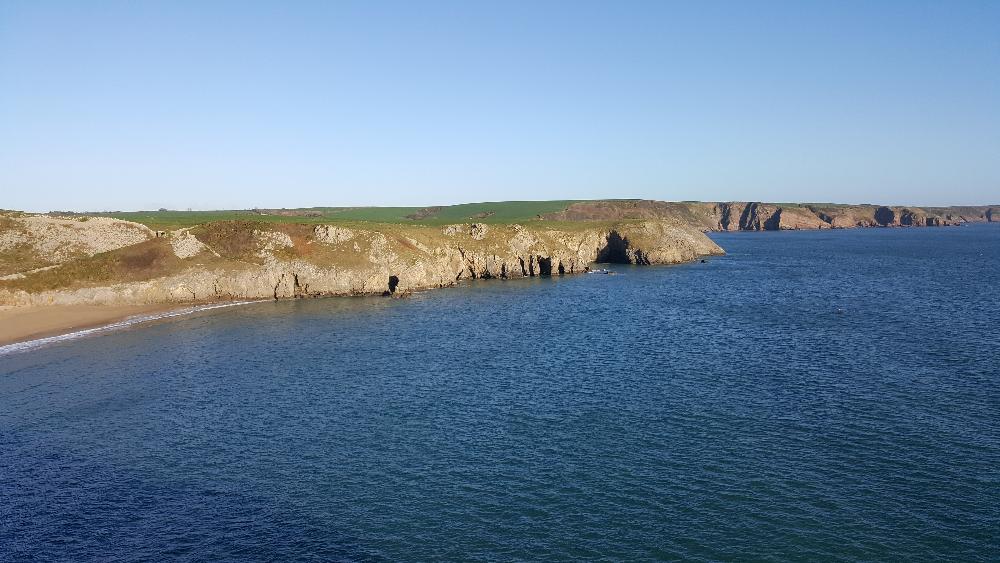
x,y
237,261
186,245
756,216
30,242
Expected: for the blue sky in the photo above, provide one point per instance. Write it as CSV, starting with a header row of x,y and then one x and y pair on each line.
x,y
138,105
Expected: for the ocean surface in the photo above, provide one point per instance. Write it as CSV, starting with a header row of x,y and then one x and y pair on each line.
x,y
810,396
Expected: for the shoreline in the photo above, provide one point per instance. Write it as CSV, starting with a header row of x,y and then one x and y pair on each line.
x,y
23,325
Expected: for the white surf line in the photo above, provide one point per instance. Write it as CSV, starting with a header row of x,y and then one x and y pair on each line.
x,y
32,344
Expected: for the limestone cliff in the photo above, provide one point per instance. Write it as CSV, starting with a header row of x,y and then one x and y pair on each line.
x,y
758,216
81,258
248,260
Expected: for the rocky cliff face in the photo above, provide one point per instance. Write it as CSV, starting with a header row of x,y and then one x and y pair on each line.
x,y
757,216
235,261
79,259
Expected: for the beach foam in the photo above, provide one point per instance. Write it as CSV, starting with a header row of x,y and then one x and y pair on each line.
x,y
130,321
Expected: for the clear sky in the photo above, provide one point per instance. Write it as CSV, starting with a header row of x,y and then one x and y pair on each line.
x,y
190,104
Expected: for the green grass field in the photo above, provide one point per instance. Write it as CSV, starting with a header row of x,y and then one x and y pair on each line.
x,y
486,212
496,212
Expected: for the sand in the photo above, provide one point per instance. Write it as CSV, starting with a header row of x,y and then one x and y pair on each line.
x,y
19,324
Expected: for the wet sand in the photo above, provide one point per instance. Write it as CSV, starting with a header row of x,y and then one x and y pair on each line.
x,y
19,324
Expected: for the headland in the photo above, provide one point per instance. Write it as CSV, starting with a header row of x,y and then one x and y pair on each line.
x,y
61,271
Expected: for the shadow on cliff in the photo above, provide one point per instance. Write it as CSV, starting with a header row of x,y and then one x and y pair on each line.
x,y
615,251
618,250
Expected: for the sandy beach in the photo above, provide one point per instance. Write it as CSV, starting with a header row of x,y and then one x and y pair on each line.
x,y
19,324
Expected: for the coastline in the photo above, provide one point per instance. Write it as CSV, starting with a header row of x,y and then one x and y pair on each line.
x,y
24,324
35,323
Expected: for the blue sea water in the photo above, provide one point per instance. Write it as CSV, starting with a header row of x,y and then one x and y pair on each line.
x,y
810,396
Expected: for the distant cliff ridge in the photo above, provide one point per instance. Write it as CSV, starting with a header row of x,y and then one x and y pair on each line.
x,y
757,216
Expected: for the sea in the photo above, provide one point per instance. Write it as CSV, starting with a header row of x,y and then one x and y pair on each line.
x,y
810,396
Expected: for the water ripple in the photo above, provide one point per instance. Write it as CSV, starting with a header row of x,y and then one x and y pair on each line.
x,y
811,396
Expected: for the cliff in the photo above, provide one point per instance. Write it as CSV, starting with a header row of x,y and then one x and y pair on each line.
x,y
758,216
237,260
257,254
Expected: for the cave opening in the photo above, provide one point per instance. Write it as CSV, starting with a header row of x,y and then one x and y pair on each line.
x,y
615,251
544,266
884,216
393,282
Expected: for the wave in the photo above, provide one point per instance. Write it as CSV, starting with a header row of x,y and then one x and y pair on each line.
x,y
130,321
